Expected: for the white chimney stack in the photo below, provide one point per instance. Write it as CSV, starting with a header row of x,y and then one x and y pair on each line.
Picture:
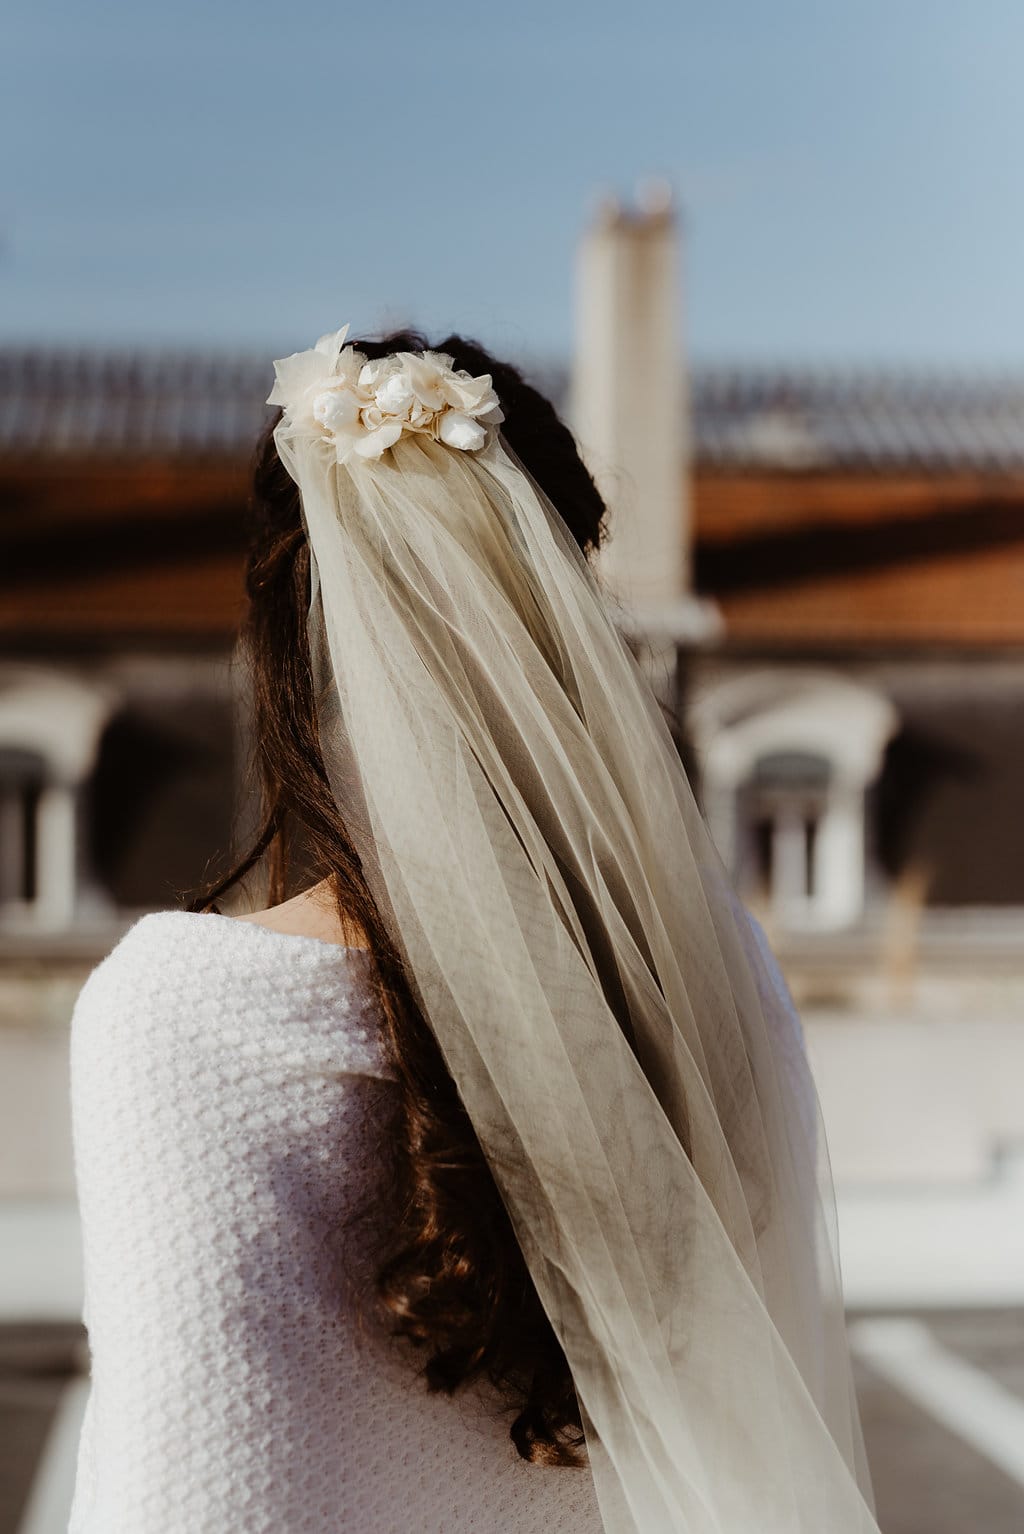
x,y
629,410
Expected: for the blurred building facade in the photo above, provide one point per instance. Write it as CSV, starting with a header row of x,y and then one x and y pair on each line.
x,y
862,722
845,569
122,506
852,702
853,636
846,620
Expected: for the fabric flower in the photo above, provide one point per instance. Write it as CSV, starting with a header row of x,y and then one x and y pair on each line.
x,y
335,393
426,376
319,389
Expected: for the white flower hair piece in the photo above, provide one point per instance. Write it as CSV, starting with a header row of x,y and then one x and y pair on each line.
x,y
362,407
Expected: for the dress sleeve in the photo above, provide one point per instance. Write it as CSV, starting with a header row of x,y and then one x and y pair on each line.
x,y
218,1112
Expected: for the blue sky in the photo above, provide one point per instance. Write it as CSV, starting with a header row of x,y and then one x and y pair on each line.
x,y
240,174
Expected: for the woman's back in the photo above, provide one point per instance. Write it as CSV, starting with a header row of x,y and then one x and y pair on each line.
x,y
229,1098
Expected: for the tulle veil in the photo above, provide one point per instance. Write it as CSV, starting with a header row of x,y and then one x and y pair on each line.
x,y
617,1026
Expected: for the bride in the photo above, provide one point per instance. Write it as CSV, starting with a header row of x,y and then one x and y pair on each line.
x,y
479,1182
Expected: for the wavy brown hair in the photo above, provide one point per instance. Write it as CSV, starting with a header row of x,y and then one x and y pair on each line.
x,y
451,1276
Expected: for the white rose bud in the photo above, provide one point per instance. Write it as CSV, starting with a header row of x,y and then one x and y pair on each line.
x,y
336,409
395,396
461,431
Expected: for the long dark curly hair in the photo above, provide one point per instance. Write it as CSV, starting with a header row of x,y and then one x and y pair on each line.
x,y
452,1277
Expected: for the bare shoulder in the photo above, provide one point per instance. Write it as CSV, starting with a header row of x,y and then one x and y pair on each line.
x,y
313,913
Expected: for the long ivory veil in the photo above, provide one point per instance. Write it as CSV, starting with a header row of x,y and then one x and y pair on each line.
x,y
617,1027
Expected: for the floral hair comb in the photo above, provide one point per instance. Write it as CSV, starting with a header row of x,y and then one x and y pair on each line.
x,y
363,407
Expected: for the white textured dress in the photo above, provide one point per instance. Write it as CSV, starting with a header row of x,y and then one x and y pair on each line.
x,y
229,1093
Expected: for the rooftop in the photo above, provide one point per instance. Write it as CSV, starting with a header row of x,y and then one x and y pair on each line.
x,y
116,404
830,508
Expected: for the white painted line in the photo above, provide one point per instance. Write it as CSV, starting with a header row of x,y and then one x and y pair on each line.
x,y
49,1502
966,1400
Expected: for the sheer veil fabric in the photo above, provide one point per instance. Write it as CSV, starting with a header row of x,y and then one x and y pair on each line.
x,y
615,1023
